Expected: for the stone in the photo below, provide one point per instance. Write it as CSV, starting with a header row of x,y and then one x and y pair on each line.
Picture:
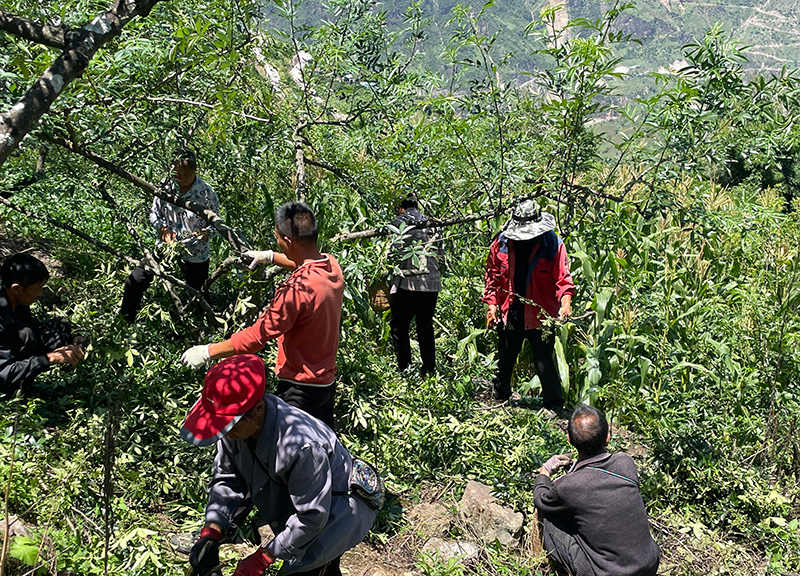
x,y
488,519
447,549
430,519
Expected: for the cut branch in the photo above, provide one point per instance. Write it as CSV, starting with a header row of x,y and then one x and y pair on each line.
x,y
433,223
101,245
80,46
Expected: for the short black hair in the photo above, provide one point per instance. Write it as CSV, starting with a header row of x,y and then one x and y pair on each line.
x,y
296,221
410,201
185,155
588,429
23,269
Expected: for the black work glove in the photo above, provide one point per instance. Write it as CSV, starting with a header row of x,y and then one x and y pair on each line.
x,y
204,556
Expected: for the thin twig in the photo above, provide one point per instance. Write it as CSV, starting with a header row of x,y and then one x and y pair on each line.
x,y
6,524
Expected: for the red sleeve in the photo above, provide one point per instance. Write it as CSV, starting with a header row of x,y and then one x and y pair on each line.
x,y
277,319
561,275
493,277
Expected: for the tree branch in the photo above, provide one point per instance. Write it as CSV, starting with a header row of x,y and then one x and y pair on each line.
x,y
52,36
211,217
433,223
79,49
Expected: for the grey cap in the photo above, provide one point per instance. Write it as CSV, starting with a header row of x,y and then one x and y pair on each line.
x,y
528,221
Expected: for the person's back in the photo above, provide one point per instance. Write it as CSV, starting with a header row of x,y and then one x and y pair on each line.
x,y
420,273
594,522
600,498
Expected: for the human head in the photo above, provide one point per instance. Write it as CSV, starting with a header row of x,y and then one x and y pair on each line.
x,y
587,430
231,388
24,270
410,201
184,167
296,221
528,221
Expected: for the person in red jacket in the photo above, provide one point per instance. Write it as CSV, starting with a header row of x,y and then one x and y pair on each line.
x,y
303,317
527,280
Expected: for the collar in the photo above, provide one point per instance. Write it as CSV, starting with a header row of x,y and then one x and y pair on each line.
x,y
591,460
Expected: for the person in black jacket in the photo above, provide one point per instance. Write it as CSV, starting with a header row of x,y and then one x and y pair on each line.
x,y
28,346
593,518
416,289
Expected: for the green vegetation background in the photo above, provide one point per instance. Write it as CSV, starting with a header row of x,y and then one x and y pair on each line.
x,y
681,226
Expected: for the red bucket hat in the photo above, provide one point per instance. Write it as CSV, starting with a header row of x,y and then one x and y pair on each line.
x,y
230,389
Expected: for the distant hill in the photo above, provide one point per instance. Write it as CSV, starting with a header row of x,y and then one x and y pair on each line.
x,y
770,27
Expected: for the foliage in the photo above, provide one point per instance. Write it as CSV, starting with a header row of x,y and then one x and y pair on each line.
x,y
682,240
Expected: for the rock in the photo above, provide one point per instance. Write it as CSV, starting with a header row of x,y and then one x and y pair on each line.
x,y
15,527
487,519
432,519
446,549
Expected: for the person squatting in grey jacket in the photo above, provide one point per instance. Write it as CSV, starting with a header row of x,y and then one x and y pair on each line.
x,y
289,463
593,518
415,291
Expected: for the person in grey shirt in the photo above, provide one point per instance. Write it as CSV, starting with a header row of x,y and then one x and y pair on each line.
x,y
290,464
593,518
175,224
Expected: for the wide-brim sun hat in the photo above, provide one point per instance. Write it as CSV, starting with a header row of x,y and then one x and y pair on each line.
x,y
231,388
528,221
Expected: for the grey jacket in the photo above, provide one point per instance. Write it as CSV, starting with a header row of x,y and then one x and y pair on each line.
x,y
599,498
420,250
298,478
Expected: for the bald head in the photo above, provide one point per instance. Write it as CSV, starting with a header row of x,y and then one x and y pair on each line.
x,y
588,430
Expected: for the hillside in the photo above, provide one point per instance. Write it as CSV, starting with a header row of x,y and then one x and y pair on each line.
x,y
768,27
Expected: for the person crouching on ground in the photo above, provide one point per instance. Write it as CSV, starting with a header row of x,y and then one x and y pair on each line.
x,y
291,465
28,347
593,518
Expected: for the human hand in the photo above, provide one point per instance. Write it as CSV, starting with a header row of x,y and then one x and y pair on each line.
x,y
196,356
69,354
556,462
80,341
167,235
566,308
491,316
204,557
255,564
258,257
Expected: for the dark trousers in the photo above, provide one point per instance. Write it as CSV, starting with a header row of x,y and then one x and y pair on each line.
x,y
49,335
314,400
509,344
407,305
138,281
563,549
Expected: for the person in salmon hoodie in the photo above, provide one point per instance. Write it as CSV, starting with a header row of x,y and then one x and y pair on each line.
x,y
303,317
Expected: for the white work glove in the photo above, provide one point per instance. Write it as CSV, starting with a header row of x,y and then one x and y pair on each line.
x,y
196,356
259,257
556,462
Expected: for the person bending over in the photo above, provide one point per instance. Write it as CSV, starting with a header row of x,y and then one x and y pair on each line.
x,y
292,466
27,346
